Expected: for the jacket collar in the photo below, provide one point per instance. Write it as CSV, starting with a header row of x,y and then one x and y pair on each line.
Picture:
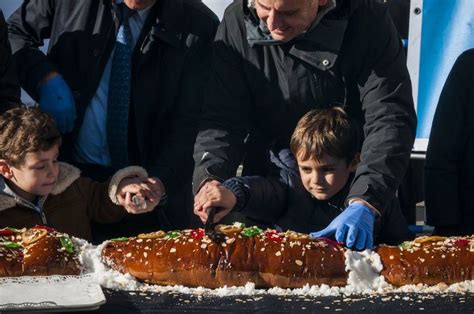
x,y
319,46
67,175
168,16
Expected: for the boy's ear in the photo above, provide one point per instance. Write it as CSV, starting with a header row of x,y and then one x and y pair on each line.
x,y
5,169
354,163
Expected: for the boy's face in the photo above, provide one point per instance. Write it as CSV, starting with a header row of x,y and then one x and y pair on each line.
x,y
37,175
324,178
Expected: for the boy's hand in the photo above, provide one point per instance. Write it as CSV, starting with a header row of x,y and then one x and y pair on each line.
x,y
213,194
148,192
354,226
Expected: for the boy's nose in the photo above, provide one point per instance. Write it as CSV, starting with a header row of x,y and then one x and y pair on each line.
x,y
317,178
52,170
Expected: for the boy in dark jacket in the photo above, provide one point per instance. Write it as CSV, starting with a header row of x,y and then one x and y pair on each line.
x,y
326,145
37,189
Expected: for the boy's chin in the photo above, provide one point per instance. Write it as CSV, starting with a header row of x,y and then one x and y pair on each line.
x,y
321,197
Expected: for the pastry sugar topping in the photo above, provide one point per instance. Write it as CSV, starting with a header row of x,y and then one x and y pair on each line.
x,y
331,242
9,231
49,229
197,234
152,235
252,231
34,234
173,234
273,236
292,235
10,245
428,239
67,244
120,239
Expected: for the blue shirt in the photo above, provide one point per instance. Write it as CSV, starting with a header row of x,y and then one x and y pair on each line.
x,y
91,145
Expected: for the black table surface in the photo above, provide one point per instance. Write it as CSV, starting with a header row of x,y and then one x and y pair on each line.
x,y
147,302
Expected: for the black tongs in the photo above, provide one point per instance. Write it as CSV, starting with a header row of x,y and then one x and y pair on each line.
x,y
210,226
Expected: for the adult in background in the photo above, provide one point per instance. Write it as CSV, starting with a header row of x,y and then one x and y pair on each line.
x,y
274,60
449,167
9,86
122,79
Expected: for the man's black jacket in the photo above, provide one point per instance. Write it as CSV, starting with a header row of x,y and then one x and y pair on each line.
x,y
9,86
169,65
449,167
259,89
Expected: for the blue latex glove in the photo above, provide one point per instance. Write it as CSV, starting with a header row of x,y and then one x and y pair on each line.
x,y
354,226
56,99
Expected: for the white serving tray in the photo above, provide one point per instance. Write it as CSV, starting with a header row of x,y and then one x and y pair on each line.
x,y
50,293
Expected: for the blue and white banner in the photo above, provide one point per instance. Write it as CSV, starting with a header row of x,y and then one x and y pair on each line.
x,y
439,32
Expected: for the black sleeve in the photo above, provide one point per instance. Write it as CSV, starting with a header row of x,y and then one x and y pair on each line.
x,y
447,144
224,122
9,86
390,120
28,27
266,198
173,164
261,198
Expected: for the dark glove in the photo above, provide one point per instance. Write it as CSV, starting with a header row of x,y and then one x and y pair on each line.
x,y
56,99
354,226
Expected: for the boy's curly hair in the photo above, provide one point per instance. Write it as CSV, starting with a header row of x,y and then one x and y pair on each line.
x,y
326,131
24,130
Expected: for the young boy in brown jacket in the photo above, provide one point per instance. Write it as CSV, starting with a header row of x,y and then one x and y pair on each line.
x,y
35,188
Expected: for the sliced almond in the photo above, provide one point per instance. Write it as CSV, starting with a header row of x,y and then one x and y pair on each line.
x,y
152,235
32,235
292,235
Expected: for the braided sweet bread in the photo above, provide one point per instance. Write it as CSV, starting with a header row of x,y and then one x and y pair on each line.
x,y
38,251
429,260
191,258
288,260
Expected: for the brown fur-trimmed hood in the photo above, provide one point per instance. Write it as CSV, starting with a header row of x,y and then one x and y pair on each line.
x,y
68,174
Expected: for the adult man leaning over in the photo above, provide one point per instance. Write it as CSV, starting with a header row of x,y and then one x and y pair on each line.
x,y
143,59
274,60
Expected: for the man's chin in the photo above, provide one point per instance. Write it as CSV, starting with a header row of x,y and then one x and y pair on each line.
x,y
282,37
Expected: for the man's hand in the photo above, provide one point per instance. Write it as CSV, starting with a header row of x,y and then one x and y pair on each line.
x,y
140,196
56,99
213,194
354,226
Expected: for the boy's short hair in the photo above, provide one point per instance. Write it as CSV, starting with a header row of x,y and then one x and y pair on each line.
x,y
25,130
326,131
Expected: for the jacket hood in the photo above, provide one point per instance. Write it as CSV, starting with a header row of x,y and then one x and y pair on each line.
x,y
320,45
67,175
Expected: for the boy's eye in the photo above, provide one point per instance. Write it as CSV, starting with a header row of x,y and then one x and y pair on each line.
x,y
305,169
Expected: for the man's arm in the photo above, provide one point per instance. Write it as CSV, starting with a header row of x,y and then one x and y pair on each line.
x,y
9,87
390,120
28,27
225,120
173,164
447,145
